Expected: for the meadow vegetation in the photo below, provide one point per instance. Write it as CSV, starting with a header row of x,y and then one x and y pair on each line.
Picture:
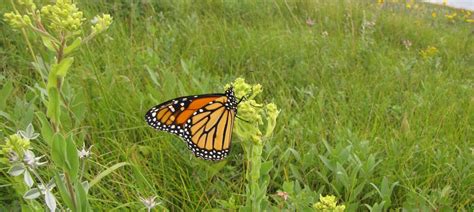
x,y
375,102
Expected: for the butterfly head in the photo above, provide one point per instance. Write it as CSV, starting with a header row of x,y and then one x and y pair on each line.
x,y
231,100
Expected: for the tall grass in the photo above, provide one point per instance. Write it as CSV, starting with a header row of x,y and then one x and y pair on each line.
x,y
363,117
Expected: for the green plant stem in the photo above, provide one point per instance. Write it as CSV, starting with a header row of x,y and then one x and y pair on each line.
x,y
23,32
254,158
70,189
42,182
83,164
37,176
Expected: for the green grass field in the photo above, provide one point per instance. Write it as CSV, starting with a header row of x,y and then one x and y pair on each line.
x,y
376,102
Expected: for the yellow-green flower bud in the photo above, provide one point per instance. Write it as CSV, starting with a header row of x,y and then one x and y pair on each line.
x,y
272,114
15,143
101,23
251,113
63,16
46,10
328,203
29,4
429,52
256,89
256,139
16,20
240,87
251,117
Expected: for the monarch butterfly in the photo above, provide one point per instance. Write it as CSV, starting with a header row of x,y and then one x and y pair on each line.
x,y
204,122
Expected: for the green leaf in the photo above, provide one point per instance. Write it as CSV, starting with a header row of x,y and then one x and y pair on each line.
x,y
28,179
288,186
32,194
81,197
52,78
63,66
106,172
54,107
16,170
50,200
63,192
71,158
58,149
78,106
76,43
48,43
46,129
5,92
266,167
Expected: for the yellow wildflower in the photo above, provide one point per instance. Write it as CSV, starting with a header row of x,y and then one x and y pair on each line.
x,y
328,203
434,15
254,114
28,4
15,143
429,52
63,16
101,23
16,20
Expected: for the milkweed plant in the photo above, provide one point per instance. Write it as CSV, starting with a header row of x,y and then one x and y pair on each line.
x,y
254,127
61,28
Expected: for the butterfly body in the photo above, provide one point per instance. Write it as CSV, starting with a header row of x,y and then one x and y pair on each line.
x,y
204,122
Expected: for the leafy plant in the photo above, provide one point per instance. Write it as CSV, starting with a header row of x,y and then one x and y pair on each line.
x,y
60,27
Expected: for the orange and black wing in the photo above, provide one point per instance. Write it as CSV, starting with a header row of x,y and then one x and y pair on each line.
x,y
205,122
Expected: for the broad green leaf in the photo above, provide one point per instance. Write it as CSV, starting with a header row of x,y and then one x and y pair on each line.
x,y
106,172
76,43
58,150
46,130
63,66
326,163
81,197
49,43
32,194
16,170
86,186
266,167
78,106
376,207
5,92
28,179
288,186
63,192
54,106
52,78
50,200
71,157
29,133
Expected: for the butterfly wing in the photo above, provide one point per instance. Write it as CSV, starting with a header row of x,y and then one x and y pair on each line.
x,y
205,122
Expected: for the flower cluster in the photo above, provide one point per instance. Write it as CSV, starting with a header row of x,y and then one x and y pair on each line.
x,y
64,15
101,23
451,17
328,203
29,4
252,113
14,147
16,20
429,52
